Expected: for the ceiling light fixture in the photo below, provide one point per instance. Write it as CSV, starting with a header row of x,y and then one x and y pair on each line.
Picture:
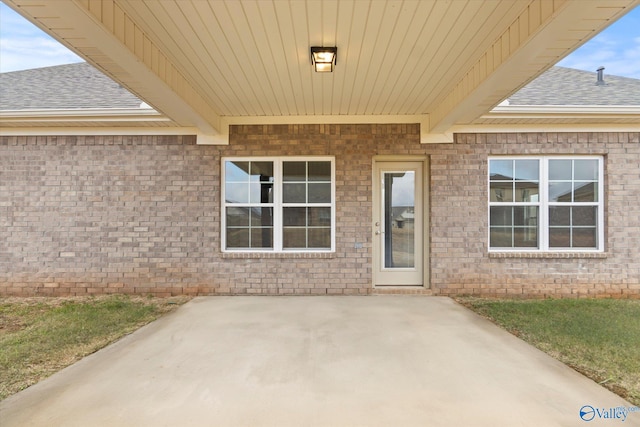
x,y
323,58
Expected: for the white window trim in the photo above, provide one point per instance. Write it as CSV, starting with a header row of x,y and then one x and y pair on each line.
x,y
277,203
543,205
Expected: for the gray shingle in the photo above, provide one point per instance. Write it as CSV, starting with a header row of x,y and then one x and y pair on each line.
x,y
567,86
71,86
79,86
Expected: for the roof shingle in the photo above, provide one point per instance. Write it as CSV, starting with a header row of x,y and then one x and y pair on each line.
x,y
71,86
567,86
81,86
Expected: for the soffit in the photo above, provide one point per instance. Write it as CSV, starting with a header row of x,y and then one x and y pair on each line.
x,y
252,58
206,63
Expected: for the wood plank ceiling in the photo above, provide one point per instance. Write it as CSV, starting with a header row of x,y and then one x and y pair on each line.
x,y
210,63
252,58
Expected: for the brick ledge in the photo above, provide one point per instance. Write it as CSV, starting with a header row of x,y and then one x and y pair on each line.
x,y
278,255
549,255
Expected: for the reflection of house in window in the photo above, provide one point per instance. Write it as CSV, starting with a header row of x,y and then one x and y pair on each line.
x,y
403,217
531,224
501,188
584,192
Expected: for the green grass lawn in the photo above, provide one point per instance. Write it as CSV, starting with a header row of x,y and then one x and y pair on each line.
x,y
598,337
39,336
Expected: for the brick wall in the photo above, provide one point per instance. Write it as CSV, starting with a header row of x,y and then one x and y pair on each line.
x,y
460,262
89,215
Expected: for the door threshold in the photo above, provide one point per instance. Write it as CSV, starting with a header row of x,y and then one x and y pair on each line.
x,y
402,290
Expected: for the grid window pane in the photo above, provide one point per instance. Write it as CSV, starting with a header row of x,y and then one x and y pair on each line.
x,y
501,215
260,193
560,192
294,238
249,227
319,217
514,180
320,237
570,208
573,226
585,192
527,191
586,170
527,170
320,192
585,216
238,238
559,215
261,237
296,217
236,192
501,191
525,237
237,217
501,237
320,171
294,171
560,237
261,217
501,170
560,170
525,216
584,238
296,195
573,181
262,171
307,227
514,226
236,172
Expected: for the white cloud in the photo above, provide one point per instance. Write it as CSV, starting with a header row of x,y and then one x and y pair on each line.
x,y
23,54
617,49
619,59
24,46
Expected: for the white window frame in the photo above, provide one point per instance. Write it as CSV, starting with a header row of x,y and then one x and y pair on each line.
x,y
543,205
278,205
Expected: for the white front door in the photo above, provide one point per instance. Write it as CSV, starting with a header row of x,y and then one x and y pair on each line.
x,y
398,224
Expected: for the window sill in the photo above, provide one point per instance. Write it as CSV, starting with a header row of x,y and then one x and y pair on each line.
x,y
278,255
549,255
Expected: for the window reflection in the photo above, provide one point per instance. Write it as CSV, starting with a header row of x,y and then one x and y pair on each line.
x,y
567,197
298,200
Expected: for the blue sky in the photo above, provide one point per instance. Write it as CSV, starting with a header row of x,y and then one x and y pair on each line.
x,y
24,46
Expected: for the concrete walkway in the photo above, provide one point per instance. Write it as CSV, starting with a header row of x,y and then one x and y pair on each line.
x,y
315,361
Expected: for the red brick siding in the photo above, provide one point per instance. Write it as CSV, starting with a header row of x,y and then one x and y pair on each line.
x,y
85,215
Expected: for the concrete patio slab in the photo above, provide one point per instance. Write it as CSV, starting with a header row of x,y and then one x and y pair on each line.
x,y
316,361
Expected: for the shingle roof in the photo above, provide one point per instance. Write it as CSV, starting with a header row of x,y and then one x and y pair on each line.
x,y
71,86
567,86
81,86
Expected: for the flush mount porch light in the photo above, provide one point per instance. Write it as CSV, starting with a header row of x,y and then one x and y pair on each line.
x,y
323,58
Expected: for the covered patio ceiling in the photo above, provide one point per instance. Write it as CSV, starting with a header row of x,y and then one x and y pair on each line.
x,y
208,64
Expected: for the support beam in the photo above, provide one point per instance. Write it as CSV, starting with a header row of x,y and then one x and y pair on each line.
x,y
120,49
544,33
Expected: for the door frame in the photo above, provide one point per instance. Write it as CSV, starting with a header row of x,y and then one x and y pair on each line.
x,y
426,223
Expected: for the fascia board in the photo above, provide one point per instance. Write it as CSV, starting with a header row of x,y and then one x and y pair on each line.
x,y
85,114
559,110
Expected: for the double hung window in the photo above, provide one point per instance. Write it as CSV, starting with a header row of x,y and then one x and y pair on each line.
x,y
278,204
546,203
